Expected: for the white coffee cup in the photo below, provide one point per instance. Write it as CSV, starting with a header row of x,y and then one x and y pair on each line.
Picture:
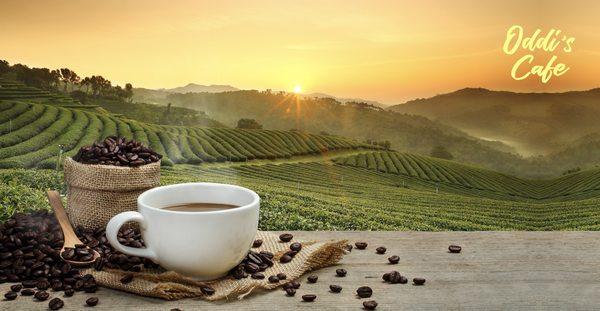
x,y
201,245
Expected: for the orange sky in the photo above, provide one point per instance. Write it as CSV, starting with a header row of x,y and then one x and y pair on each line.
x,y
386,51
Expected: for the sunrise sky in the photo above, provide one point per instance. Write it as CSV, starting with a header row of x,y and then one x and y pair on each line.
x,y
386,51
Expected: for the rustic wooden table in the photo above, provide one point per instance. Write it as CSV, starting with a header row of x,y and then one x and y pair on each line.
x,y
495,271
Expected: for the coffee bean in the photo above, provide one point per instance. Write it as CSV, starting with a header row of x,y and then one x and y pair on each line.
x,y
395,277
11,295
257,276
360,245
341,272
41,295
312,279
296,246
290,292
281,276
386,277
29,283
207,290
370,304
55,304
16,288
273,279
117,151
454,248
295,284
335,288
69,292
291,253
418,281
403,280
127,278
364,292
394,259
27,292
286,237
257,243
92,301
381,250
43,285
309,298
348,247
285,258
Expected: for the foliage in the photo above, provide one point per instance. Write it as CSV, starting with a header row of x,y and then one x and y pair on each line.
x,y
250,124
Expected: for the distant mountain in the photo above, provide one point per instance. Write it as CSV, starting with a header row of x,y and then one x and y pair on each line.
x,y
198,88
345,100
533,123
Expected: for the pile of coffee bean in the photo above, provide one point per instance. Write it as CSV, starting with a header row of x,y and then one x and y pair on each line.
x,y
78,253
30,257
117,151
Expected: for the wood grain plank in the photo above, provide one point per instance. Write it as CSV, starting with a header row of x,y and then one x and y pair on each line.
x,y
495,271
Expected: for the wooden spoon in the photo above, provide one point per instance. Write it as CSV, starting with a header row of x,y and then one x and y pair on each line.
x,y
69,235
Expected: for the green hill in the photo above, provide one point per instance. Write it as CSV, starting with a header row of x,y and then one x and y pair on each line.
x,y
414,134
463,179
32,133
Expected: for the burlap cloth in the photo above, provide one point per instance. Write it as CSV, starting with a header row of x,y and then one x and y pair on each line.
x,y
96,193
170,285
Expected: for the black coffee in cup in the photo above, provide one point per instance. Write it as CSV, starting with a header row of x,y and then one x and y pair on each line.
x,y
199,207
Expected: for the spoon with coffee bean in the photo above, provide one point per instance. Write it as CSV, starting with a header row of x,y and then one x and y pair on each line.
x,y
73,251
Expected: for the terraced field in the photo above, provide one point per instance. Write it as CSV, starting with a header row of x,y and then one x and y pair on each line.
x,y
323,196
30,136
477,181
11,90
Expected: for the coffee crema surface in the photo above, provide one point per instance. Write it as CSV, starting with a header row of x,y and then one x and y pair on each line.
x,y
199,207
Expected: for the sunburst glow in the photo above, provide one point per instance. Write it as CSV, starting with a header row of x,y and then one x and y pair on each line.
x,y
297,89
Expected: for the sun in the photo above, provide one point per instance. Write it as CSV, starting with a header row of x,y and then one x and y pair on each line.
x,y
297,89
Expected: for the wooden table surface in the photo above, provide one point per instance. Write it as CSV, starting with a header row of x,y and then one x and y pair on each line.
x,y
495,271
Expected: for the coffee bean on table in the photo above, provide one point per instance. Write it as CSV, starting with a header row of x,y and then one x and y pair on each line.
x,y
403,280
291,253
312,279
69,292
341,272
27,292
281,276
290,292
348,247
309,297
257,243
273,279
43,285
16,287
418,281
285,258
207,290
454,248
395,277
381,250
335,288
361,245
364,292
11,295
41,295
55,304
92,301
296,246
29,283
370,304
394,259
295,284
286,237
257,276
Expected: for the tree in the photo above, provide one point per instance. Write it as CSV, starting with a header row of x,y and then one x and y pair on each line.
x,y
4,66
129,92
249,124
441,152
87,82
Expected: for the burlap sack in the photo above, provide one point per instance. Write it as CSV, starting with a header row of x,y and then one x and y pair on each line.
x,y
170,285
96,193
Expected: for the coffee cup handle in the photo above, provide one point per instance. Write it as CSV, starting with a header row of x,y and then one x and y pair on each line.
x,y
112,230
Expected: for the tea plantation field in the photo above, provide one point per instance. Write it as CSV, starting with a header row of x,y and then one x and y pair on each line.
x,y
32,134
327,196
